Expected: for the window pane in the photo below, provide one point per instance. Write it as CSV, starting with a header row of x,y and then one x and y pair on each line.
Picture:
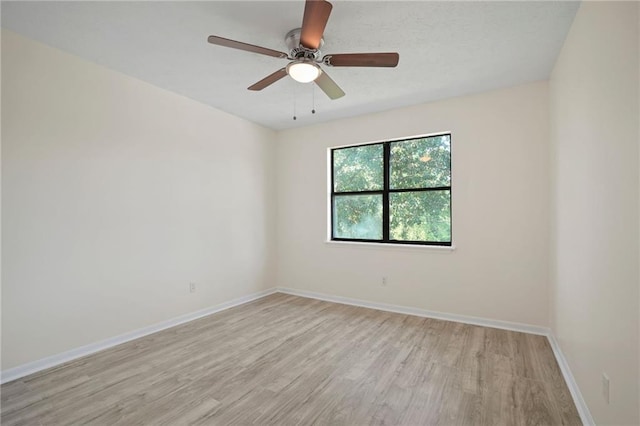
x,y
421,163
357,217
358,168
420,216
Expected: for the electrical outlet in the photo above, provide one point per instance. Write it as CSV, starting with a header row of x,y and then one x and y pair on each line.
x,y
384,282
192,287
605,388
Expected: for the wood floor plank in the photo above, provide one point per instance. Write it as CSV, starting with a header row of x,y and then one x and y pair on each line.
x,y
289,360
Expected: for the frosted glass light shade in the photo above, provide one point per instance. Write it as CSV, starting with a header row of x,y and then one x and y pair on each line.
x,y
303,72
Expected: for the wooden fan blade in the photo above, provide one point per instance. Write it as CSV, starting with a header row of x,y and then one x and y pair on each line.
x,y
269,80
220,41
316,15
329,86
362,60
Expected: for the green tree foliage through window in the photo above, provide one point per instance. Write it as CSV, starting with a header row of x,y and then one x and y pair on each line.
x,y
420,216
394,192
421,163
358,216
358,168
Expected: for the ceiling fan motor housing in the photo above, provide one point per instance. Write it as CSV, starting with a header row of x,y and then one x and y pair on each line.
x,y
298,51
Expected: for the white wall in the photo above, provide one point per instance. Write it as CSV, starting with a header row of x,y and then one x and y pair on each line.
x,y
117,194
594,139
499,269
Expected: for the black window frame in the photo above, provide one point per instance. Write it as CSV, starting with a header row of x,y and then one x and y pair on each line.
x,y
386,190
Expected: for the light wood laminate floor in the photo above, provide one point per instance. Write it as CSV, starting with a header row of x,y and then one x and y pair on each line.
x,y
291,360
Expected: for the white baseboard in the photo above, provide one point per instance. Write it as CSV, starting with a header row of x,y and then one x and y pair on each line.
x,y
505,325
581,405
54,360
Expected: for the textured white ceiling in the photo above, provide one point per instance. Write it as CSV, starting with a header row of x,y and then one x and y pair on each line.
x,y
446,49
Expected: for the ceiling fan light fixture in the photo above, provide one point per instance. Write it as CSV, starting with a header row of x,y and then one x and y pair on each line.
x,y
303,71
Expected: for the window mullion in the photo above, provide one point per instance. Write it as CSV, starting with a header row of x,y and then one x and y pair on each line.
x,y
385,193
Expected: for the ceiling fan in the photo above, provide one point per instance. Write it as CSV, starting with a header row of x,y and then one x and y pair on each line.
x,y
304,53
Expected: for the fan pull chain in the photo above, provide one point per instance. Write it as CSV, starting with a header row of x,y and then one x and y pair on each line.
x,y
294,102
313,98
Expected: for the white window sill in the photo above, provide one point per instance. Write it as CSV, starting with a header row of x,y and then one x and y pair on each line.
x,y
387,246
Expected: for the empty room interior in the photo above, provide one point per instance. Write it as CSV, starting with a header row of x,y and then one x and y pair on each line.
x,y
314,212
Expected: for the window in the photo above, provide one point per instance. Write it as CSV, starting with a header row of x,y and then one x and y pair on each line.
x,y
393,192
